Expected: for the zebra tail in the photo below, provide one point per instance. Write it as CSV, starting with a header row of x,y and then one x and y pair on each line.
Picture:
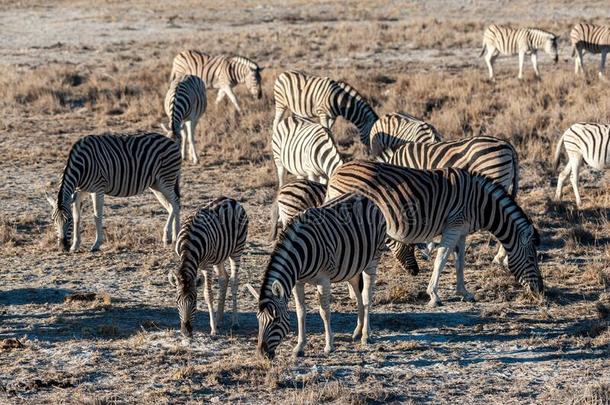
x,y
483,50
573,50
557,154
515,185
274,221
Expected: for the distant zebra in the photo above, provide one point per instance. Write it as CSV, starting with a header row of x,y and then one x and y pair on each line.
x,y
185,103
421,204
587,141
220,72
501,39
311,96
305,149
337,242
494,158
292,199
120,166
392,130
214,233
590,38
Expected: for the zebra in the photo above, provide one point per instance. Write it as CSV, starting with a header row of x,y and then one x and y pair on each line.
x,y
214,233
392,130
292,199
505,40
220,72
339,241
590,38
587,141
305,149
120,166
311,96
185,103
421,204
494,158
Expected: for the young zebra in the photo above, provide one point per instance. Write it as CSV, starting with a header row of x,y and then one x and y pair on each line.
x,y
587,141
590,38
220,72
311,96
491,157
185,103
305,149
336,242
214,233
421,204
120,166
500,39
395,129
292,199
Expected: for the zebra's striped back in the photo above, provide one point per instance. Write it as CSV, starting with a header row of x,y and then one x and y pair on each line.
x,y
590,37
494,158
339,240
311,96
305,148
185,101
211,235
511,41
420,204
393,130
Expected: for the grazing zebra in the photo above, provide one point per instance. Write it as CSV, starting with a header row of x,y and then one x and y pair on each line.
x,y
292,199
590,38
220,72
120,166
587,141
214,233
305,149
336,242
185,103
421,204
311,96
494,158
501,39
393,130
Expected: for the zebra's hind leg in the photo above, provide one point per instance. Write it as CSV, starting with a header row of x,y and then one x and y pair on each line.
x,y
324,297
489,60
448,242
460,288
534,58
575,162
521,61
190,133
77,208
231,96
98,212
578,61
209,298
223,280
234,262
354,287
170,201
560,180
299,303
602,66
367,298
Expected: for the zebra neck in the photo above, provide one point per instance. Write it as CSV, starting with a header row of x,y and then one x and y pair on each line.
x,y
69,183
362,116
333,164
237,71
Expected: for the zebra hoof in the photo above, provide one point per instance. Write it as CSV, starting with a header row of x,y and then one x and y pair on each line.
x,y
356,335
328,350
95,248
298,353
365,341
434,303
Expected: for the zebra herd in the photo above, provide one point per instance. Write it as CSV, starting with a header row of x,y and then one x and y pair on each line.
x,y
338,216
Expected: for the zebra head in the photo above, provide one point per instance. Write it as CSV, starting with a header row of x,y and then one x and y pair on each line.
x,y
272,320
253,82
62,218
523,260
186,301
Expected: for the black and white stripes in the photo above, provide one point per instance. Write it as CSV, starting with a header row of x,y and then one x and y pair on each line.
x,y
119,166
590,38
214,233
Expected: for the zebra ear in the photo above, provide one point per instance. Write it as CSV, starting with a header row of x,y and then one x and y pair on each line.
x,y
171,277
50,199
164,128
277,289
252,290
72,198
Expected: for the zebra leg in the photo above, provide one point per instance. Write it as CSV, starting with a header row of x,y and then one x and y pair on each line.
x,y
223,280
209,298
489,60
578,61
562,177
170,202
98,213
575,162
354,288
534,58
449,240
183,142
220,95
279,111
77,208
299,303
190,131
234,262
602,66
324,297
460,288
231,96
521,61
281,173
367,298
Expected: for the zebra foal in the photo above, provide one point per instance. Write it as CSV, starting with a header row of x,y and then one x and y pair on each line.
x,y
505,40
339,241
119,166
421,204
590,38
582,141
214,233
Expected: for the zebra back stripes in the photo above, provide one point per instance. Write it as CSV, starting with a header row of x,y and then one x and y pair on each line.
x,y
333,243
395,129
311,96
582,141
590,38
305,149
120,166
421,204
211,235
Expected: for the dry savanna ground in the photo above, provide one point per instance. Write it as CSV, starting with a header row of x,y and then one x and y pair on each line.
x,y
102,327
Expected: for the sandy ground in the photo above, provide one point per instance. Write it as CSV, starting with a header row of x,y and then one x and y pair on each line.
x,y
124,345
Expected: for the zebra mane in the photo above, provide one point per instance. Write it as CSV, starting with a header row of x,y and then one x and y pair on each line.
x,y
541,31
241,60
352,91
